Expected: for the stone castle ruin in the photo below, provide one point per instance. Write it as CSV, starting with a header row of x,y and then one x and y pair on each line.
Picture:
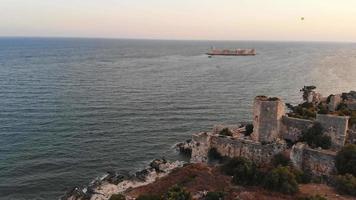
x,y
277,131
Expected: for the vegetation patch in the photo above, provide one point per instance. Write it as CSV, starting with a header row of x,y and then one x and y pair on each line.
x,y
149,197
213,154
214,196
249,129
225,132
315,138
281,180
243,170
315,197
346,184
280,160
178,193
303,111
346,160
117,197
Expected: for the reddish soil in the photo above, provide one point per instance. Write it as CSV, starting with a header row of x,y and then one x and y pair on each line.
x,y
201,177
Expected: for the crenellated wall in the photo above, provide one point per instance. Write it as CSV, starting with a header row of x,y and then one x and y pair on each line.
x,y
292,128
336,127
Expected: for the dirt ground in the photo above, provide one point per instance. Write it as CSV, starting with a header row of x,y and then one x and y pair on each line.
x,y
201,177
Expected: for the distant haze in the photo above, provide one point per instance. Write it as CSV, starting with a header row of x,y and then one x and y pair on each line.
x,y
316,20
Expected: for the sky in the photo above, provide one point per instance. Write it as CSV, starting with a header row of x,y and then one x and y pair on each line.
x,y
324,20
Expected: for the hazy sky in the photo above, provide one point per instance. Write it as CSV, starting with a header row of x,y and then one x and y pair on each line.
x,y
327,20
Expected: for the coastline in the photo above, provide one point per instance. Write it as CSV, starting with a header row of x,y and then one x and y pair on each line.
x,y
114,183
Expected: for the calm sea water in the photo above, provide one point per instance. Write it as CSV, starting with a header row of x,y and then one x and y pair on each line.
x,y
72,109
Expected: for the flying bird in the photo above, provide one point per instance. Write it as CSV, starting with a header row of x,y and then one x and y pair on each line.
x,y
302,18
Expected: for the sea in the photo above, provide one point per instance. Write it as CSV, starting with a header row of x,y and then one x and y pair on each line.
x,y
72,109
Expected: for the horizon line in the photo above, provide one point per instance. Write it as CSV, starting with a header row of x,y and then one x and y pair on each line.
x,y
173,39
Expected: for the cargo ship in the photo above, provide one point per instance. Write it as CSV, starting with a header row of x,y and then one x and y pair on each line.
x,y
231,52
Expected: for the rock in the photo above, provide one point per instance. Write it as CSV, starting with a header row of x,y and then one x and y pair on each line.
x,y
141,175
114,178
155,164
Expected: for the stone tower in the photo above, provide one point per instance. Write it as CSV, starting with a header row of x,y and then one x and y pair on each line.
x,y
267,118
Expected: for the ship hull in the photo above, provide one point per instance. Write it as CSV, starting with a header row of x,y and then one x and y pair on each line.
x,y
235,52
224,54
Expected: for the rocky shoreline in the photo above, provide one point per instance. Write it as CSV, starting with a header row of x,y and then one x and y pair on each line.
x,y
114,183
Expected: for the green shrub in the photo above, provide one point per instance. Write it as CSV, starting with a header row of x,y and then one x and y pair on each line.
x,y
346,184
245,174
352,120
226,132
281,180
322,109
303,111
149,197
273,99
178,193
229,167
117,197
316,197
315,138
304,177
280,160
249,129
244,171
306,90
214,196
346,160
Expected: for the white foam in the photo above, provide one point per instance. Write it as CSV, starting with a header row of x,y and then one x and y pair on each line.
x,y
106,190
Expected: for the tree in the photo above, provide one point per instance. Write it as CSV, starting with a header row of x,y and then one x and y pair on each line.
x,y
229,167
306,90
226,132
214,196
213,154
281,180
149,197
316,197
314,137
117,197
244,171
346,184
280,160
346,160
249,129
178,193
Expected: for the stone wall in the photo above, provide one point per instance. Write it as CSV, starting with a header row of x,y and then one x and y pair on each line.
x,y
267,115
336,127
296,155
318,162
261,154
232,147
200,147
351,136
292,127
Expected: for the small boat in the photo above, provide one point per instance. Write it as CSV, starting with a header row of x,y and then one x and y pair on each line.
x,y
231,52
